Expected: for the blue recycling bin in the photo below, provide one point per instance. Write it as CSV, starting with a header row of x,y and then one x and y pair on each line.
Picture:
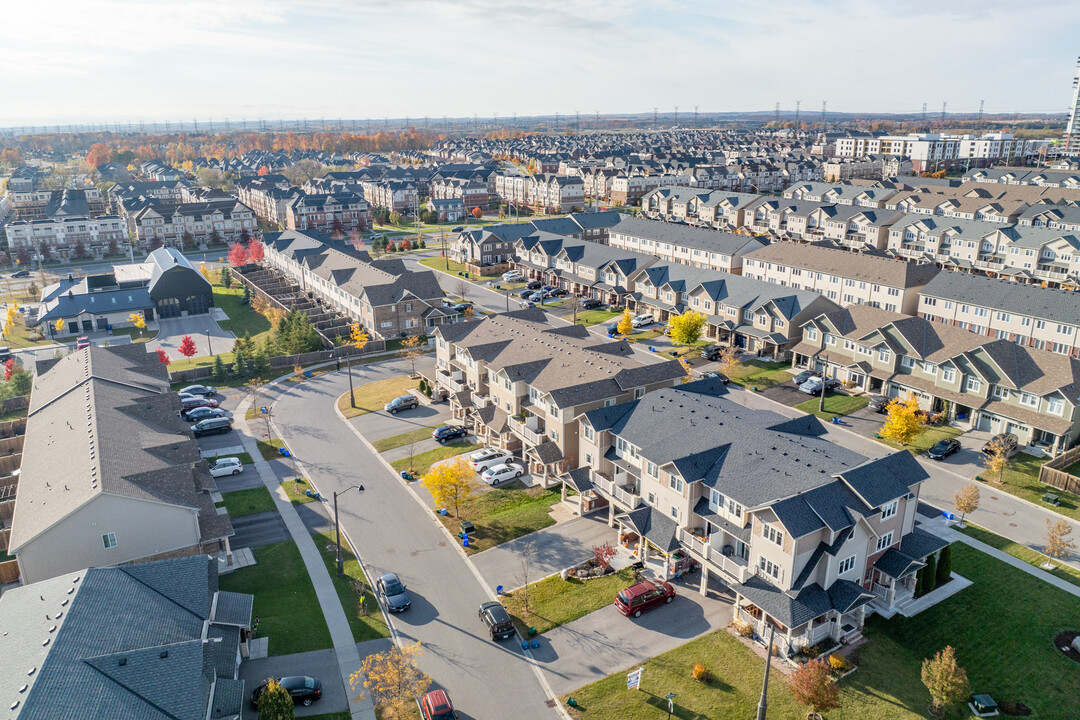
x,y
284,451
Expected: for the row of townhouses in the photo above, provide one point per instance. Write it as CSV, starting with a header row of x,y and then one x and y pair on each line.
x,y
153,223
542,192
337,213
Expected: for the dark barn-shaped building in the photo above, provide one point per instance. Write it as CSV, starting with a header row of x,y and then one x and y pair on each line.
x,y
176,286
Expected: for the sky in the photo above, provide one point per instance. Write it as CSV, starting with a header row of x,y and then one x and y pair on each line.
x,y
82,61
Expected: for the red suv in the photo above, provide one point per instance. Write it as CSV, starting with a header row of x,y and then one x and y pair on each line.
x,y
437,706
644,596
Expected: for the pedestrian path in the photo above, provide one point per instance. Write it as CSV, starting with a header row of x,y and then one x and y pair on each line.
x,y
217,452
348,657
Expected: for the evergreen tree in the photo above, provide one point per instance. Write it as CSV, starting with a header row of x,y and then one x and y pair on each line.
x,y
260,363
219,374
240,367
930,571
246,299
226,277
944,566
920,582
20,382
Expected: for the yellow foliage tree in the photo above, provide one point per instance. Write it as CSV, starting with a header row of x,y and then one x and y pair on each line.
x,y
626,323
137,320
996,460
358,337
1058,542
412,348
452,483
686,328
730,359
205,273
393,678
60,324
903,422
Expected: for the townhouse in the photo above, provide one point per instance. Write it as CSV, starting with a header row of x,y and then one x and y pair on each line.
x,y
168,191
698,247
472,192
38,203
64,236
155,224
1059,217
584,269
523,383
339,213
394,195
384,297
844,277
809,536
1024,176
754,315
1038,317
850,226
841,194
447,209
975,381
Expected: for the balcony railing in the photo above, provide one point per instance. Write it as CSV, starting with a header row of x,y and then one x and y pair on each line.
x,y
458,385
712,551
534,437
624,495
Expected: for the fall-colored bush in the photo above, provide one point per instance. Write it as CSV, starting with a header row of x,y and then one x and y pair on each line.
x,y
839,663
701,673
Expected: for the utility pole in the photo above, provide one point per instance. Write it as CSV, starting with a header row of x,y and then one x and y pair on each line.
x,y
797,104
824,103
776,114
676,115
978,123
922,124
943,106
337,527
763,703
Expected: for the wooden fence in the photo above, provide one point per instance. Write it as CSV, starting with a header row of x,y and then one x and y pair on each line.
x,y
9,572
283,362
12,428
13,404
5,538
1052,472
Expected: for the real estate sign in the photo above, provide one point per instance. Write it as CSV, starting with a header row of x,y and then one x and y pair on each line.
x,y
633,680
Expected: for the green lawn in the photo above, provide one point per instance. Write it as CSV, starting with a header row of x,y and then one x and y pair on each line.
x,y
440,264
595,317
503,514
760,374
285,601
296,490
1021,478
994,633
343,715
389,443
1023,552
242,319
926,439
248,502
373,396
135,334
270,449
835,405
366,624
22,337
419,463
554,601
244,458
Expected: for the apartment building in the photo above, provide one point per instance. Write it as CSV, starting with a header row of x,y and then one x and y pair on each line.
x,y
472,192
1037,317
165,191
844,277
808,535
697,247
157,224
337,213
40,203
934,151
385,298
523,383
64,236
582,268
394,195
754,315
977,381
268,197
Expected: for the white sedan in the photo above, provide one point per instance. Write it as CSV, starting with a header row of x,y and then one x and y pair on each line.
x,y
483,459
227,466
501,473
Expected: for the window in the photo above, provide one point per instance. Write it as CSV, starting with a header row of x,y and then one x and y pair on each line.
x,y
676,483
588,432
929,368
734,508
883,354
846,565
650,469
716,500
907,361
769,567
884,541
887,511
674,512
770,533
639,393
974,384
811,333
830,339
1029,399
108,540
1055,406
948,374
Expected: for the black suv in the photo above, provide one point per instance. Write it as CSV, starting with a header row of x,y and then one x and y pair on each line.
x,y
590,303
303,689
497,620
712,353
533,285
445,433
1001,441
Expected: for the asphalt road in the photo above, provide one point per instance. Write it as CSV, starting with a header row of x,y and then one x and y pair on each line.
x,y
395,533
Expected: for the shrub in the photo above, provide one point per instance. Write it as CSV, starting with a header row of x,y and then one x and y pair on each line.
x,y
701,673
744,629
839,663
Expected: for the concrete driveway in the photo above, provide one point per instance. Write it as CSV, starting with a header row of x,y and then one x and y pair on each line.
x,y
605,642
321,664
172,330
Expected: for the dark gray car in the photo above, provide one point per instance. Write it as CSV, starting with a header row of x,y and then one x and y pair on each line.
x,y
393,592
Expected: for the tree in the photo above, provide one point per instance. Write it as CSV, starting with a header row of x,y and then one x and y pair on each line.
x,y
163,357
452,483
219,374
903,422
413,347
626,323
187,347
256,251
275,702
477,213
395,218
730,359
812,684
295,334
204,272
79,250
98,155
603,554
406,244
226,277
944,566
214,238
966,500
238,255
240,368
246,297
393,678
358,338
186,239
260,363
686,328
996,459
20,382
930,573
1058,542
526,555
60,325
945,679
9,369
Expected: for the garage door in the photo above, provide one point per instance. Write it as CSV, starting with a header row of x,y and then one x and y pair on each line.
x,y
168,308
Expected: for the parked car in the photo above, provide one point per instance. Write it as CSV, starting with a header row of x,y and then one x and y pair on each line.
x,y
205,411
445,433
590,303
1006,441
393,592
403,402
501,473
559,292
211,426
713,374
448,303
488,457
436,705
82,342
804,376
20,274
5,354
525,293
527,304
512,276
643,320
613,328
303,689
461,307
497,621
879,403
547,288
646,595
943,449
227,466
712,353
813,385
190,402
533,284
204,390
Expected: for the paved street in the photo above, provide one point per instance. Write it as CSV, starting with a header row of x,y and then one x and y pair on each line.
x,y
394,532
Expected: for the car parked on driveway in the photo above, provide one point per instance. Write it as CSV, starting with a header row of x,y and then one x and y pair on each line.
x,y
533,284
227,466
643,320
527,304
501,473
813,385
590,303
613,328
211,426
20,274
1001,441
203,412
646,595
190,402
718,375
512,276
303,689
436,705
204,390
879,403
402,402
481,460
497,621
393,592
525,293
804,376
446,433
943,449
712,353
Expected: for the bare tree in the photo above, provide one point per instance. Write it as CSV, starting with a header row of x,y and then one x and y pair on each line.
x,y
527,555
460,287
1058,542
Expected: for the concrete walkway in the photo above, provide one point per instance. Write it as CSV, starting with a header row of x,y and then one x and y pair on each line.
x,y
348,657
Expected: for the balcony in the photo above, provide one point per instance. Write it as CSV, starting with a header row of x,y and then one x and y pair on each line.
x,y
1050,272
531,430
626,495
989,262
734,568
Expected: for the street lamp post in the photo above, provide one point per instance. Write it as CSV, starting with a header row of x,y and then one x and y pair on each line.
x,y
763,703
209,347
337,527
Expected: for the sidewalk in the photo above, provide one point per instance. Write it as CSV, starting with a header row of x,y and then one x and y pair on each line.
x,y
348,657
